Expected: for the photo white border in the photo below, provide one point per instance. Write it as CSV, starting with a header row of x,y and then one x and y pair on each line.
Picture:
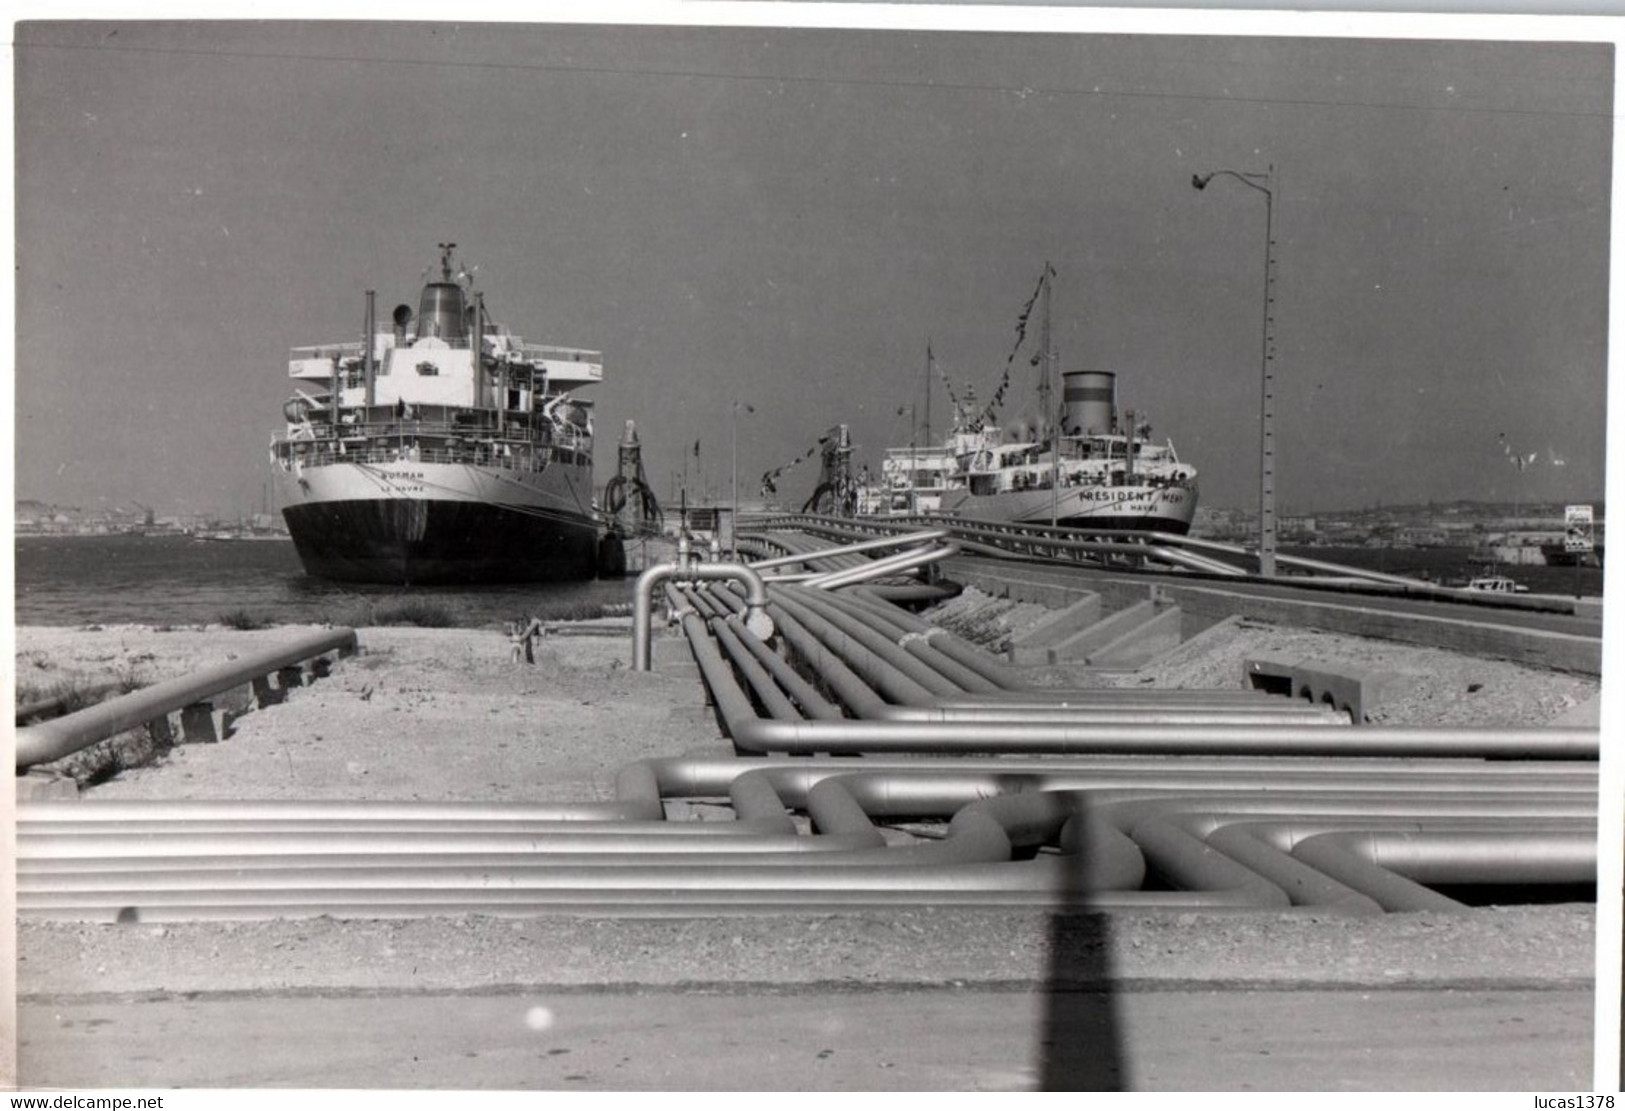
x,y
1052,20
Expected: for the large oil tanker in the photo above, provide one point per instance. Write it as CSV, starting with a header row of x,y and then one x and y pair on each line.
x,y
443,449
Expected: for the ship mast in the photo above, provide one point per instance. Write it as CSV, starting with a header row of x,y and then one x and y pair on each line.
x,y
1046,389
1044,354
929,365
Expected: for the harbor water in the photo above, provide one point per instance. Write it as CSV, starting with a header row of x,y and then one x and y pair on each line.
x,y
1449,565
178,580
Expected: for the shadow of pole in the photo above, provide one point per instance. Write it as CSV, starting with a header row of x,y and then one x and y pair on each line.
x,y
1080,1038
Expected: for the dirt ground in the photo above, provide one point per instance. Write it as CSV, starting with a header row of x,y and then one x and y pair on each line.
x,y
433,714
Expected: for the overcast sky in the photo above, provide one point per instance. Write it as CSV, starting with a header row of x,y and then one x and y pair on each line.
x,y
787,217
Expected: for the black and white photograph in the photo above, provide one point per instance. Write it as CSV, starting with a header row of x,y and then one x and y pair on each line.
x,y
796,548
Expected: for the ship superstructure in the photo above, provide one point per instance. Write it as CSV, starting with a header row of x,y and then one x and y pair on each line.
x,y
1091,471
1080,467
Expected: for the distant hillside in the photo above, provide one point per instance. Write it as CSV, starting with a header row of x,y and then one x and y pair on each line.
x,y
27,507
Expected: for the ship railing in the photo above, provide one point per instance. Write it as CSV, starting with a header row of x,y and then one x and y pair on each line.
x,y
527,457
553,352
511,345
567,436
327,350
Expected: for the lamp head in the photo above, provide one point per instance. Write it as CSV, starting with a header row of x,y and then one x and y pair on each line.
x,y
1199,181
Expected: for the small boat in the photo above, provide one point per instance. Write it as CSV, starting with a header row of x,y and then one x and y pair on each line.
x,y
1495,584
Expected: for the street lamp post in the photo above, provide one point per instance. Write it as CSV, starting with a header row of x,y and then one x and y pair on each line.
x,y
733,527
1263,182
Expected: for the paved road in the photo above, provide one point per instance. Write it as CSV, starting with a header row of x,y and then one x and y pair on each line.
x,y
906,1039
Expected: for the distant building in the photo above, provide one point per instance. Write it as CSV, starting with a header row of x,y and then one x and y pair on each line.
x,y
1298,529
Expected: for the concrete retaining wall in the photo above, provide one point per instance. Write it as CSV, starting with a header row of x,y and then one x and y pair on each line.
x,y
1204,605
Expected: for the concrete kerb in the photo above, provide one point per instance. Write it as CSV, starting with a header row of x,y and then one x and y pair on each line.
x,y
1349,688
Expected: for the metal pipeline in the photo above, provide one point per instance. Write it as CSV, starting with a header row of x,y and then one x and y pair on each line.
x,y
990,830
812,703
1524,743
419,845
927,593
809,552
914,657
881,568
752,734
1302,884
699,599
877,674
955,780
1124,713
723,883
1376,862
845,800
1255,701
52,740
843,682
1194,562
1267,848
892,669
1101,707
633,903
633,806
643,605
960,651
623,895
1330,854
866,793
1183,830
1130,797
881,544
1462,819
842,605
915,641
833,618
766,688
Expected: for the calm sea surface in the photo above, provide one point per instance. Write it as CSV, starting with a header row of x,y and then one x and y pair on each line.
x,y
156,580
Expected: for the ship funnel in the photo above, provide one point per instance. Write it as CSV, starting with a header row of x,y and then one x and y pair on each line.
x,y
402,317
441,312
1089,401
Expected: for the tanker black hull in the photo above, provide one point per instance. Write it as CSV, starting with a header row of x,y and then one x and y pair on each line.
x,y
423,542
1175,525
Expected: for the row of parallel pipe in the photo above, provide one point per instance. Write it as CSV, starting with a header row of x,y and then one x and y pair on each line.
x,y
880,762
1296,798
